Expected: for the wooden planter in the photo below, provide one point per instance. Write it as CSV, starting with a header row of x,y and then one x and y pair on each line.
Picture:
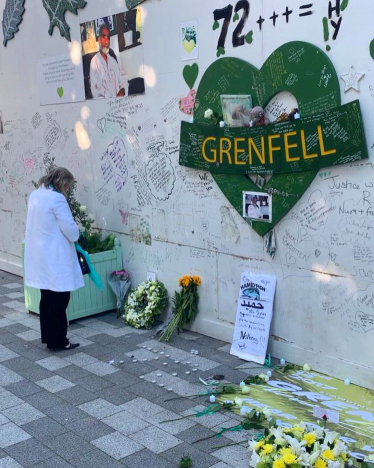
x,y
88,300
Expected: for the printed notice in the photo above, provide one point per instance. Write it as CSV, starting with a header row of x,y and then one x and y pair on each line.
x,y
60,80
253,317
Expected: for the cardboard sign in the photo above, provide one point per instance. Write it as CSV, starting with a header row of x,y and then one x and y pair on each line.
x,y
60,80
253,317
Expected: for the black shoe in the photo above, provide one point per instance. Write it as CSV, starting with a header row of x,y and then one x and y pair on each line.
x,y
70,346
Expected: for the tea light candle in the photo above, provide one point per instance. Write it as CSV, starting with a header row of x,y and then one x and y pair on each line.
x,y
283,362
174,374
164,363
159,375
191,120
242,384
269,373
162,352
297,116
187,372
194,370
347,382
243,411
153,381
141,377
170,389
134,360
161,385
156,358
245,390
212,398
222,124
176,362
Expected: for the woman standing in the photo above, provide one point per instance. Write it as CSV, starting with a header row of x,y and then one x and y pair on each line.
x,y
51,262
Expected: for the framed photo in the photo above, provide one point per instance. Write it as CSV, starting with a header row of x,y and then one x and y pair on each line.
x,y
257,206
109,21
236,109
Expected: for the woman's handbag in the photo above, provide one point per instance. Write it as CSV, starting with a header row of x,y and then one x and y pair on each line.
x,y
83,264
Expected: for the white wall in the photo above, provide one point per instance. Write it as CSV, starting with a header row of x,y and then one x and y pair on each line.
x,y
195,230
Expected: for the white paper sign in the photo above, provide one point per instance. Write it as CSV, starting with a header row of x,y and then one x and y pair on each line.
x,y
331,415
253,317
189,40
60,80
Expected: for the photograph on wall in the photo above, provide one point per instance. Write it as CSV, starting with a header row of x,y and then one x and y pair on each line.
x,y
112,51
257,206
236,109
189,40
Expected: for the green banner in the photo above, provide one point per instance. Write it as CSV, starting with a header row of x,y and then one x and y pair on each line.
x,y
292,397
133,3
308,144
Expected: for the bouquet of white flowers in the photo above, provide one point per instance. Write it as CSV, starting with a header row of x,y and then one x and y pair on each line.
x,y
145,303
297,447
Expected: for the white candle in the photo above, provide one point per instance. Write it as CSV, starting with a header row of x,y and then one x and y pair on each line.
x,y
347,382
283,362
212,398
269,373
191,120
242,384
222,124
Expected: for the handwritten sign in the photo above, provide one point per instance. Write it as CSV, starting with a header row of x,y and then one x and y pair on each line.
x,y
319,140
253,317
60,80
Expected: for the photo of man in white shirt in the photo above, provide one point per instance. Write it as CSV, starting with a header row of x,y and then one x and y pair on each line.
x,y
253,210
105,75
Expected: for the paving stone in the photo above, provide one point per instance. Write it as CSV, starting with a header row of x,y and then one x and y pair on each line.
x,y
117,332
4,322
123,379
14,295
117,445
90,429
104,339
43,400
155,439
72,373
11,434
29,335
220,465
7,376
235,456
44,428
147,390
22,414
35,354
3,420
100,408
141,408
200,459
23,388
101,369
85,332
12,286
69,445
35,373
94,383
76,395
95,350
55,384
116,395
52,363
18,363
9,462
81,359
125,423
97,459
177,405
6,354
145,458
173,427
54,462
6,338
8,400
65,413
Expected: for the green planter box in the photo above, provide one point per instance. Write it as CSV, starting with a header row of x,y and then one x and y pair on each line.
x,y
88,300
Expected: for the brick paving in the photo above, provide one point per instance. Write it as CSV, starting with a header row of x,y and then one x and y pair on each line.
x,y
104,404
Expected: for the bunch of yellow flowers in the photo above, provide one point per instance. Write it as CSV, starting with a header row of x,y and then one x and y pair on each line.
x,y
185,281
298,447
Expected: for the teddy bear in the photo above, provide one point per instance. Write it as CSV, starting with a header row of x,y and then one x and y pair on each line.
x,y
258,117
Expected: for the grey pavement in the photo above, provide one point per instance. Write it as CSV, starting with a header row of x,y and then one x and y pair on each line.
x,y
105,403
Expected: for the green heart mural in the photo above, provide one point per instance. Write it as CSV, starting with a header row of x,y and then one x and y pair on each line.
x,y
190,74
306,72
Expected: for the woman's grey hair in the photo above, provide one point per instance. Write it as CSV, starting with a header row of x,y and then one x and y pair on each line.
x,y
58,178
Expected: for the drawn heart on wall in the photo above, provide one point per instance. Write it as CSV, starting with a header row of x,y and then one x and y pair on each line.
x,y
363,300
365,321
187,104
190,74
235,76
310,252
60,91
101,124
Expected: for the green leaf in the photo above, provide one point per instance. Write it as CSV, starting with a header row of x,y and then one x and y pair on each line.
x,y
215,25
236,17
12,17
249,37
56,10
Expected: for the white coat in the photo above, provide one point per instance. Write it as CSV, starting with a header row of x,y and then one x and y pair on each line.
x,y
50,256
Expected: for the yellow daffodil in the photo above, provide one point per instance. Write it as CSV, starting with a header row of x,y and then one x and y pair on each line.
x,y
320,463
278,463
289,458
310,438
285,451
328,455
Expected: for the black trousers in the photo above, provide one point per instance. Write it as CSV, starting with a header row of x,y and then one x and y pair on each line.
x,y
53,319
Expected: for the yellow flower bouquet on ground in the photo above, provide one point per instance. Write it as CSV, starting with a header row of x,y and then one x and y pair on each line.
x,y
299,446
185,306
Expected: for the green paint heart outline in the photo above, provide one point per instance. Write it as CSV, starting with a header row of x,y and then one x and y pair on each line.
x,y
190,74
296,67
60,91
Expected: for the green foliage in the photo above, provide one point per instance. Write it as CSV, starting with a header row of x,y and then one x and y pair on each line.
x,y
186,462
93,243
254,379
